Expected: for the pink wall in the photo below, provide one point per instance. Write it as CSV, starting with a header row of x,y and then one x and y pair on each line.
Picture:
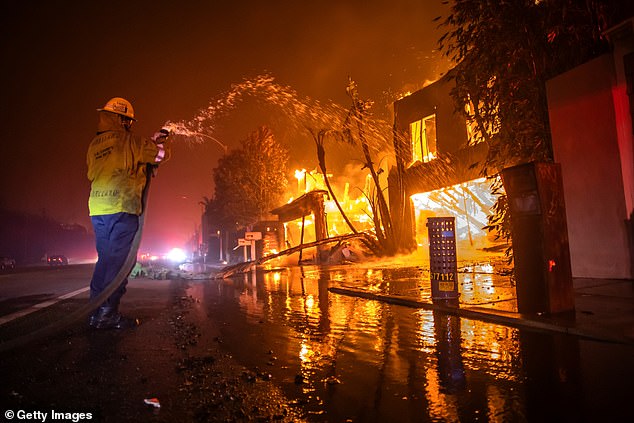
x,y
584,129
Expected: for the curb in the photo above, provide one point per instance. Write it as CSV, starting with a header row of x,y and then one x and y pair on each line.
x,y
498,317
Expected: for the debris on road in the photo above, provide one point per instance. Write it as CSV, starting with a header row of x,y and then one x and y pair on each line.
x,y
154,402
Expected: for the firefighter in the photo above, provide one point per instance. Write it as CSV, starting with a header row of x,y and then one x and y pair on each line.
x,y
117,163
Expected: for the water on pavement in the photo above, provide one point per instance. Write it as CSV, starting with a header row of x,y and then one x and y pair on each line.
x,y
345,358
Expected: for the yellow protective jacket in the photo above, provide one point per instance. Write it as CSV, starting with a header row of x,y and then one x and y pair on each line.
x,y
117,162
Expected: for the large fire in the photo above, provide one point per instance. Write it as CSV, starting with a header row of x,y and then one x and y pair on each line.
x,y
356,208
470,203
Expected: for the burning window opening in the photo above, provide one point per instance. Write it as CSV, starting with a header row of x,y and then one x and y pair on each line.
x,y
423,136
472,126
473,135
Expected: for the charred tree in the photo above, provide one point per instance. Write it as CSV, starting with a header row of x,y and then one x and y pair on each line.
x,y
356,118
319,139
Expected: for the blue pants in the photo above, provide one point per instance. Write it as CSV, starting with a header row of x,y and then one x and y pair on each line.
x,y
114,234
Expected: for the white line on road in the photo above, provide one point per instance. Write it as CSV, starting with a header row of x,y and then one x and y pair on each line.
x,y
39,306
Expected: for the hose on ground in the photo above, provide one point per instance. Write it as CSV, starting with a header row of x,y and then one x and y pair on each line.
x,y
85,310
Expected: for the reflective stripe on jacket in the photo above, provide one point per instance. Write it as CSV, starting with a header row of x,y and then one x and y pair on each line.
x,y
117,167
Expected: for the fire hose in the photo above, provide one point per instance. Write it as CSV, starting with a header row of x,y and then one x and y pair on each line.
x,y
84,311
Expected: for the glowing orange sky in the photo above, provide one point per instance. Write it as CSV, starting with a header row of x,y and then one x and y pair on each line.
x,y
62,60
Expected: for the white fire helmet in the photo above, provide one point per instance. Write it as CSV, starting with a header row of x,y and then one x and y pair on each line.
x,y
120,106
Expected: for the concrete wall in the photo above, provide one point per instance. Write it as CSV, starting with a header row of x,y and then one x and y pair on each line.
x,y
584,129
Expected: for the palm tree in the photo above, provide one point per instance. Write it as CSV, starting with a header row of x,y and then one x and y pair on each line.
x,y
319,139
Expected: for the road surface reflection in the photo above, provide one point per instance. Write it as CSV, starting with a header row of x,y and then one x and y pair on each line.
x,y
350,359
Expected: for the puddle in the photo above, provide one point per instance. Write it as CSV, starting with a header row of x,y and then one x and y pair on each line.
x,y
346,358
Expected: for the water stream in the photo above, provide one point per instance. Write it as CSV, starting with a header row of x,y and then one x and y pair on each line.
x,y
299,114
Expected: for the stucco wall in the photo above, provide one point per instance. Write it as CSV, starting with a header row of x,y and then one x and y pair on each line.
x,y
585,142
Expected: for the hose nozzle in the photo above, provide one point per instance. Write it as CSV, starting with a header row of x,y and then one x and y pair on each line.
x,y
161,135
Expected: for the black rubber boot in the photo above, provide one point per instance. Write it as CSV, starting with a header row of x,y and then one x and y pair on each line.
x,y
108,317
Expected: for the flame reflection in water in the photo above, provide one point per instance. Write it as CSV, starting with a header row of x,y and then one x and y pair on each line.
x,y
371,361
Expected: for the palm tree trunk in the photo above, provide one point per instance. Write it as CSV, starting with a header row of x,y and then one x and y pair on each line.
x,y
321,157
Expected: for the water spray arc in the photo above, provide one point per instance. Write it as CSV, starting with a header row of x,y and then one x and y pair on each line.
x,y
303,116
179,129
302,112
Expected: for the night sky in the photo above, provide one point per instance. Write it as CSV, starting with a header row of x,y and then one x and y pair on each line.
x,y
62,60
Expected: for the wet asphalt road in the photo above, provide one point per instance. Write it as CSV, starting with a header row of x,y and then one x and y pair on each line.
x,y
109,375
277,346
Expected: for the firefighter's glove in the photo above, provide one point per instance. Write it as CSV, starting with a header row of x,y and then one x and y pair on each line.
x,y
161,136
159,139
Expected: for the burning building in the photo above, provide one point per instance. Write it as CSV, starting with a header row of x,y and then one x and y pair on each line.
x,y
314,216
434,173
437,173
590,113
